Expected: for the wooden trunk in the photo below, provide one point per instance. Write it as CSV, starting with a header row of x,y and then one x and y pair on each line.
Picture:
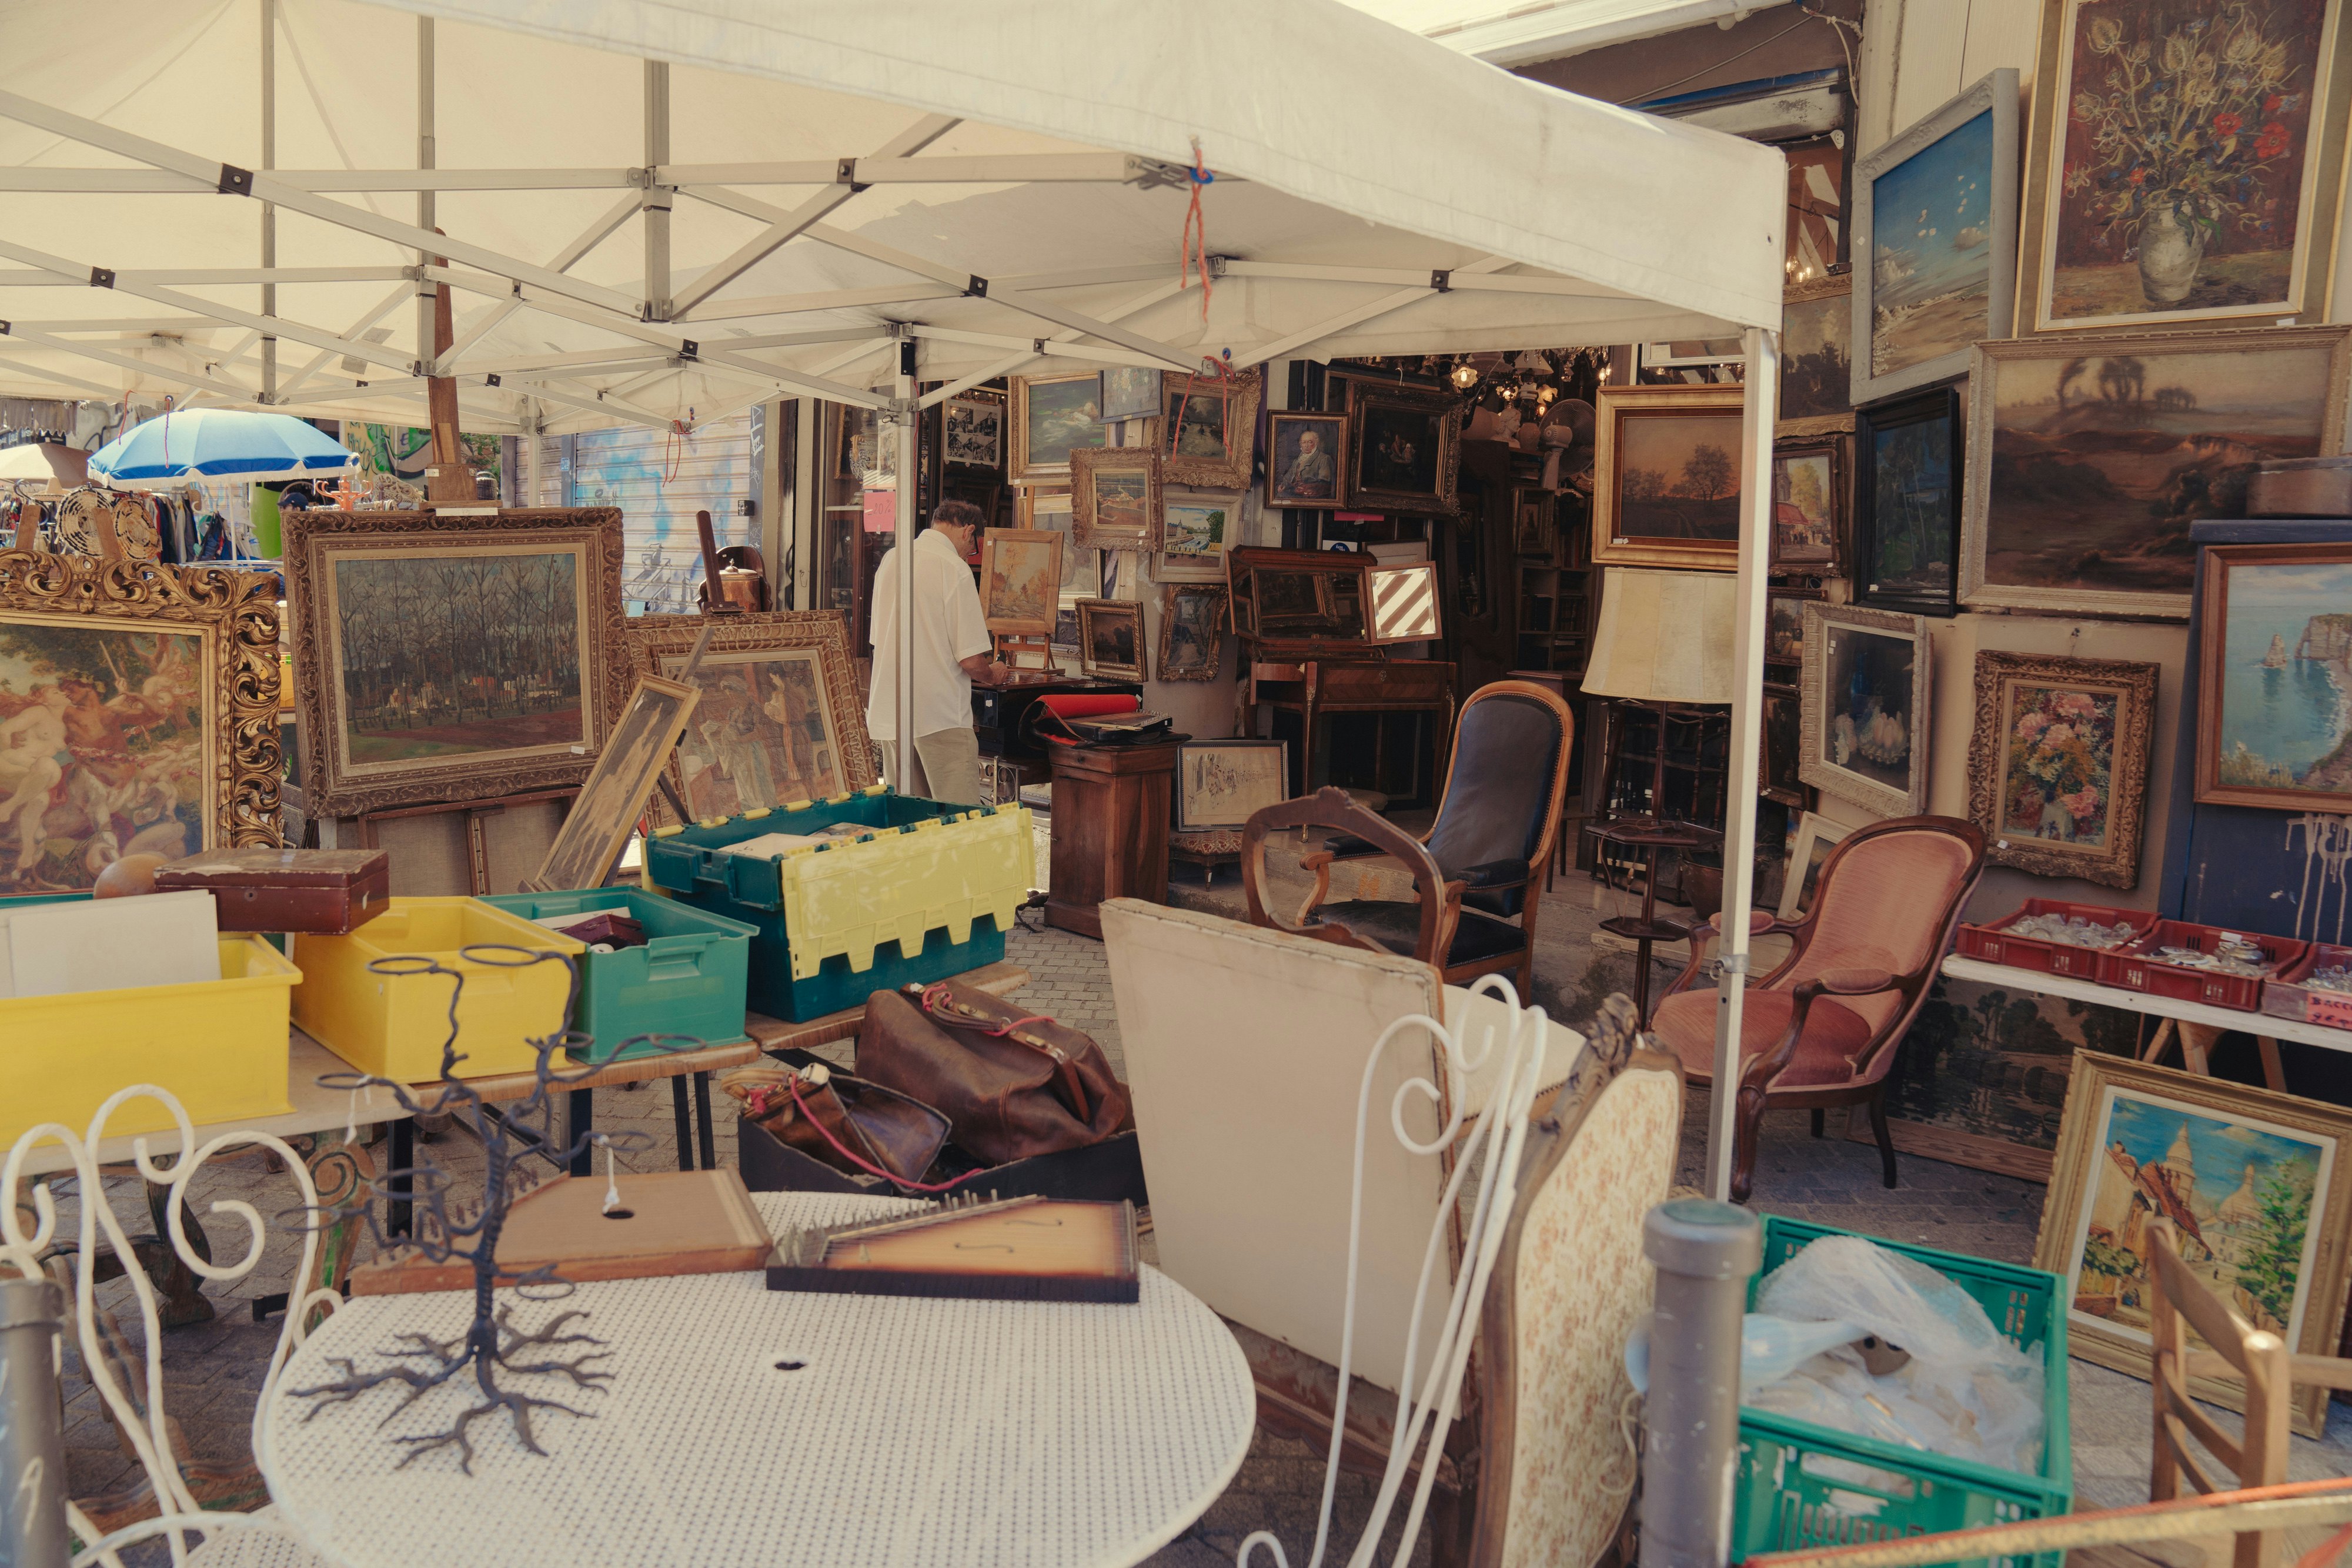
x,y
1110,830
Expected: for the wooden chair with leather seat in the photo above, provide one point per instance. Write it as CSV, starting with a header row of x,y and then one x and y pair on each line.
x,y
1821,1028
1496,818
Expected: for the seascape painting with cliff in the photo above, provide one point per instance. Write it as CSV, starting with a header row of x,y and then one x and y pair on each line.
x,y
2277,677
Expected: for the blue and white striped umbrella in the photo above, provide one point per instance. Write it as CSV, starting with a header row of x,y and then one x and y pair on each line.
x,y
220,444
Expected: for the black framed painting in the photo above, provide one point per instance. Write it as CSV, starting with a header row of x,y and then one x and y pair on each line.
x,y
1907,461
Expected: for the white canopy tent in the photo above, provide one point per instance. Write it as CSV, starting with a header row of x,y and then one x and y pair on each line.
x,y
234,204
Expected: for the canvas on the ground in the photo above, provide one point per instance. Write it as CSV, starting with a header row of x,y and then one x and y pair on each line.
x,y
1220,783
1816,836
1817,357
2058,763
2275,687
1866,713
2089,458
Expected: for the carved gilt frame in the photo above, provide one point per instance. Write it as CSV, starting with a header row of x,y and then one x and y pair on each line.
x,y
1246,390
2134,688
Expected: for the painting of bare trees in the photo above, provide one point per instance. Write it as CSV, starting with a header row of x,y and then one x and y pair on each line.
x,y
1668,465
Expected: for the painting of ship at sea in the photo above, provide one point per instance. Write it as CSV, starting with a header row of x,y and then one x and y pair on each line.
x,y
1704,1253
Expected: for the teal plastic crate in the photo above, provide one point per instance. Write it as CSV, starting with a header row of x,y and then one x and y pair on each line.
x,y
1805,1485
927,892
689,977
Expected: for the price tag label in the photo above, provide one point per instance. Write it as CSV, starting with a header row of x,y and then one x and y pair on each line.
x,y
2325,1008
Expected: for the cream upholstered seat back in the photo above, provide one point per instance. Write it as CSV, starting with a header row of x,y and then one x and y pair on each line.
x,y
1245,1051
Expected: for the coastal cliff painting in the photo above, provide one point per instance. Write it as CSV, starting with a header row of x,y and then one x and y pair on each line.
x,y
2274,723
2088,459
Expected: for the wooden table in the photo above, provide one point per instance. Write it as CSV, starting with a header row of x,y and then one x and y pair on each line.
x,y
1317,687
1110,830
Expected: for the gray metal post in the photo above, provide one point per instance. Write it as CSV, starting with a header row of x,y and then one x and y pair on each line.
x,y
32,1444
1704,1253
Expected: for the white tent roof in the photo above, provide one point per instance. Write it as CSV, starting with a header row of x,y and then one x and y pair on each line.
x,y
1377,194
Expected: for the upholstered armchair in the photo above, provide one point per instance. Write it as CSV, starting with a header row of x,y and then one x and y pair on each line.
x,y
1820,1030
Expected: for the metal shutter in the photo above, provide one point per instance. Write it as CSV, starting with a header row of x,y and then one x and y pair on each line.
x,y
659,481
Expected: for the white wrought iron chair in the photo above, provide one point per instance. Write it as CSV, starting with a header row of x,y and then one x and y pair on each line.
x,y
133,1396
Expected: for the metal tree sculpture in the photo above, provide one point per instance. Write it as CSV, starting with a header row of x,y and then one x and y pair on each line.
x,y
446,1231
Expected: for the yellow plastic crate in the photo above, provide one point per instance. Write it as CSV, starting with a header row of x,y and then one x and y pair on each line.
x,y
219,1046
897,887
392,1025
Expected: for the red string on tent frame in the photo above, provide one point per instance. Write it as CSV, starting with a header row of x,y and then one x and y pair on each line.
x,y
674,443
1194,245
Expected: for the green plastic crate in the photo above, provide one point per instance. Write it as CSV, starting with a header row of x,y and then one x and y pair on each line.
x,y
927,893
1805,1485
689,977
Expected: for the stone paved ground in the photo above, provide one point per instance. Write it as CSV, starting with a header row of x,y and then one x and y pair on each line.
x,y
212,1370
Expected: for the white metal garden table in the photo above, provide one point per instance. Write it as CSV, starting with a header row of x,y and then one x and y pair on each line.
x,y
910,1431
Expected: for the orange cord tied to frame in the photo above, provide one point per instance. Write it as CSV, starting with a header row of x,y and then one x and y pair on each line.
x,y
674,444
1194,246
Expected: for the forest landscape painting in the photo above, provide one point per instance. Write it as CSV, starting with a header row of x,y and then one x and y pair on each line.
x,y
2276,724
1931,250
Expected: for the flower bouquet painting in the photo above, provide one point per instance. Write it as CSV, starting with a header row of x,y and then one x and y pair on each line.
x,y
2184,181
2058,763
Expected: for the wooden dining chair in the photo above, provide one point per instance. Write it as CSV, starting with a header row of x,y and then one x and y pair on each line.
x,y
1821,1028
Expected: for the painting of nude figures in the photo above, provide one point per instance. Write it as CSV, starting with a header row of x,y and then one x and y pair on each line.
x,y
778,719
137,727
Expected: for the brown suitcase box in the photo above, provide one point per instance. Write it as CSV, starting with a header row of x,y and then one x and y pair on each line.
x,y
322,891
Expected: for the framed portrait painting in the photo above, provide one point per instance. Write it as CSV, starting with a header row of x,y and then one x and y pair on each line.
x,y
1115,497
1192,631
443,657
1907,493
1208,431
1020,579
1866,713
138,714
1404,448
605,811
972,431
1935,241
1305,459
2273,725
2186,163
778,719
2089,458
1808,504
1666,478
1817,357
1051,417
2058,763
1110,639
2255,1185
1222,783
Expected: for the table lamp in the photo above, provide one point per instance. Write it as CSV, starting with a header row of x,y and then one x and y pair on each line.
x,y
1663,637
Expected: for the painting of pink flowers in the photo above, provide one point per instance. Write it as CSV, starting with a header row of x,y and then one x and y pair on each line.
x,y
2186,180
2060,765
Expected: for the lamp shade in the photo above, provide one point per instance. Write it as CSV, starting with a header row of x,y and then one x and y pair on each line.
x,y
1663,636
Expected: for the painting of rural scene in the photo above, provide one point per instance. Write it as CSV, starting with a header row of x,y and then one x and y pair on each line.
x,y
453,654
1931,250
2287,679
2100,462
761,734
1677,476
2188,148
102,749
2239,1193
1817,357
1122,498
1992,1063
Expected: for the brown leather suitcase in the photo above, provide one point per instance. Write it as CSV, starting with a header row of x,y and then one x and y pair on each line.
x,y
323,892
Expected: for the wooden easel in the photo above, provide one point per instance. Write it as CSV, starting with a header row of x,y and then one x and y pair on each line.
x,y
1015,647
449,480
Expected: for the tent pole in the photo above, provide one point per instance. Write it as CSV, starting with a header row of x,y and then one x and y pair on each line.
x,y
657,199
1759,411
268,212
427,291
902,511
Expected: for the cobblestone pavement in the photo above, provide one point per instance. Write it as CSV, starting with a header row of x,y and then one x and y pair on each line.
x,y
213,1369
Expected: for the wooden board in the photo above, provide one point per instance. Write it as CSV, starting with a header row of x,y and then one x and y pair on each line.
x,y
670,1222
1023,1249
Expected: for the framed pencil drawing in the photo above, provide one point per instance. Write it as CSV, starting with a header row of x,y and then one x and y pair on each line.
x,y
973,431
1666,478
2058,763
1220,783
441,657
605,811
1865,708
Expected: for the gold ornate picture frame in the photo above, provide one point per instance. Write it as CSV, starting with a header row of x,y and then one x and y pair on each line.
x,y
1110,639
1208,429
1052,419
2058,763
442,658
1115,500
1192,617
1662,459
158,684
1403,448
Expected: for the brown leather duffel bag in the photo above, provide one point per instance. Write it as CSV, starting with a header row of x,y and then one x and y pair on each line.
x,y
1010,1084
855,1126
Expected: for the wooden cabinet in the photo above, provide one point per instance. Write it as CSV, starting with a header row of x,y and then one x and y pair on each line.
x,y
1110,830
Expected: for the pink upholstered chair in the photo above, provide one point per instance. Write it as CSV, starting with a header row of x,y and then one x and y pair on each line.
x,y
1820,1030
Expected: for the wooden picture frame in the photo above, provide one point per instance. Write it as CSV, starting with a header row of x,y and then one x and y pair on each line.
x,y
777,720
606,812
413,590
1100,623
1816,357
1627,491
2083,293
1020,579
1208,429
1808,504
1814,833
1387,428
972,431
1908,489
1302,603
2041,724
1861,665
2141,1142
1920,297
1220,784
1779,733
2296,703
2143,392
1053,417
174,668
1129,475
1194,618
1286,444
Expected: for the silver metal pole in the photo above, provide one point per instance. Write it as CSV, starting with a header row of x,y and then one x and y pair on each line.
x,y
907,527
658,201
1760,410
1704,1253
425,158
268,212
33,1533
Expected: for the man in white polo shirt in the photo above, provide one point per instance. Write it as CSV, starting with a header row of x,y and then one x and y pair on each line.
x,y
951,651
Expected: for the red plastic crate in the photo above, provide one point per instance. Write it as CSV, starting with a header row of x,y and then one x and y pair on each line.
x,y
1993,942
2135,971
2286,996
